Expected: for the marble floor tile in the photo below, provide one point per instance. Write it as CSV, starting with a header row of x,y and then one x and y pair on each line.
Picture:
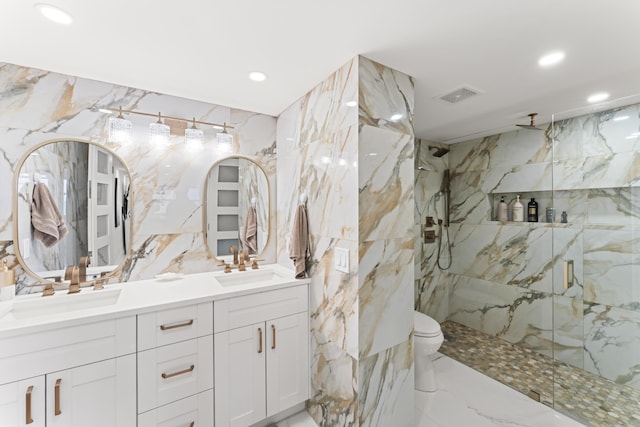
x,y
466,397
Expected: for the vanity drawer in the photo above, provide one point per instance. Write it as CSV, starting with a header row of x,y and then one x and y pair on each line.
x,y
250,309
194,410
37,353
174,325
173,372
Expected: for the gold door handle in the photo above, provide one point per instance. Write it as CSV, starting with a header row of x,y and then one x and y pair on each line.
x,y
273,335
178,325
28,419
260,334
568,274
57,397
174,374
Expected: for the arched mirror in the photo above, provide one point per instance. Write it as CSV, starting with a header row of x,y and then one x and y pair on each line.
x,y
236,207
73,199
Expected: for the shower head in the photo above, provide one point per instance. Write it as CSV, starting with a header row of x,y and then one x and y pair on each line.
x,y
440,151
532,125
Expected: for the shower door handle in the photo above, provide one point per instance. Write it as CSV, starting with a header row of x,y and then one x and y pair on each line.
x,y
567,274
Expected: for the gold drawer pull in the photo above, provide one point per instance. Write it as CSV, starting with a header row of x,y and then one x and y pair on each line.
x,y
57,397
186,371
260,333
178,325
28,419
273,333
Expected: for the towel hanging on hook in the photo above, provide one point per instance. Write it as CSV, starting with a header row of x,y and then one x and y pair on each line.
x,y
299,247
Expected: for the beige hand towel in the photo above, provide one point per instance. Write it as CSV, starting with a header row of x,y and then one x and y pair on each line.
x,y
250,234
299,246
47,221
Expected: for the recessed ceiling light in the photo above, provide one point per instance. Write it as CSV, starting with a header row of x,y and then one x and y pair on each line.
x,y
396,117
551,59
620,118
597,97
54,13
257,76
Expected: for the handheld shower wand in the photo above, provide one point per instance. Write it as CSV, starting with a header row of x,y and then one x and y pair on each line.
x,y
445,190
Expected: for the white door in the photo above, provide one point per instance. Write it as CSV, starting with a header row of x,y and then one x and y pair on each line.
x,y
240,376
100,213
22,403
101,394
287,362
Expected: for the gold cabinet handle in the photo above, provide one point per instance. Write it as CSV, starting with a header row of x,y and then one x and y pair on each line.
x,y
260,334
28,419
273,333
174,374
178,325
57,397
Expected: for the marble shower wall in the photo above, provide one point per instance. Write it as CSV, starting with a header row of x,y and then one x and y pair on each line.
x,y
431,283
339,146
507,278
168,181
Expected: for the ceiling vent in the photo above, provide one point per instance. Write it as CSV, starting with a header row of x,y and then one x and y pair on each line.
x,y
459,95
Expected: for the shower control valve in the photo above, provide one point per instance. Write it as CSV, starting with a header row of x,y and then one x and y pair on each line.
x,y
429,222
429,236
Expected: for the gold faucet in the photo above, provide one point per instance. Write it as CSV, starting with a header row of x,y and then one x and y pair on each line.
x,y
234,251
244,255
74,285
84,262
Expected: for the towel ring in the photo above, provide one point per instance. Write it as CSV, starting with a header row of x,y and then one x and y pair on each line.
x,y
303,198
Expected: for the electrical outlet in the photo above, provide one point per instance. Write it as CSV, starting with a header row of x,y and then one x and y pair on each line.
x,y
341,259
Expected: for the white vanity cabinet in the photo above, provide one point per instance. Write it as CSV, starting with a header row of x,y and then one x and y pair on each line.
x,y
175,367
71,376
261,355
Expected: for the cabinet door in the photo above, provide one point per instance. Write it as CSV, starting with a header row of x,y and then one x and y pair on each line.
x,y
287,362
22,403
240,376
101,394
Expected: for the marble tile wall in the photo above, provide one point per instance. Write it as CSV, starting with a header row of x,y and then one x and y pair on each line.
x,y
507,279
168,182
339,146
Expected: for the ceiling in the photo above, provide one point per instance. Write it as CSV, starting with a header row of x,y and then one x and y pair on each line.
x,y
205,49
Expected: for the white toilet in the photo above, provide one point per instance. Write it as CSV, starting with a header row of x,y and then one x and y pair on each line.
x,y
427,339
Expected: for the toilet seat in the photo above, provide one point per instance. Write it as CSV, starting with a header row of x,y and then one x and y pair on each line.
x,y
425,326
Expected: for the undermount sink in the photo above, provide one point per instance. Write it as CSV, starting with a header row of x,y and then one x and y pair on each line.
x,y
61,302
249,277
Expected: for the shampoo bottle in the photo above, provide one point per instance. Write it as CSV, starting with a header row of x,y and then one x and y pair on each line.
x,y
7,282
532,211
518,210
503,210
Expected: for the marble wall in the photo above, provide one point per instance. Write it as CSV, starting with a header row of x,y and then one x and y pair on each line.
x,y
340,146
168,181
507,278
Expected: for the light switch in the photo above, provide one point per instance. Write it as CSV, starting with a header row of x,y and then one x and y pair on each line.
x,y
341,259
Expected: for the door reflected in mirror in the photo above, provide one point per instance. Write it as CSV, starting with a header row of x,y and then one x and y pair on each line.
x,y
73,200
236,211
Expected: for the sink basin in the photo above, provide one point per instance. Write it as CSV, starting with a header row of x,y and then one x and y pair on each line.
x,y
249,277
36,306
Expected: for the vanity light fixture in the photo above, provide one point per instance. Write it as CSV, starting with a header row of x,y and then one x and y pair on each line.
x,y
120,128
159,132
193,137
224,140
54,13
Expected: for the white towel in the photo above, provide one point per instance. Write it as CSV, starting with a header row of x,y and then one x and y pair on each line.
x,y
250,235
299,246
47,221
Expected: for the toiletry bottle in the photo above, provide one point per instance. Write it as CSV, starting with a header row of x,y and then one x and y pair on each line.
x,y
518,210
503,210
532,211
7,282
563,217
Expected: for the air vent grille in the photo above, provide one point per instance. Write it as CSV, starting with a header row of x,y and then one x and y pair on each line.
x,y
459,95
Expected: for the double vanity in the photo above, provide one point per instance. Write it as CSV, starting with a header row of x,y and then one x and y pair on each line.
x,y
195,350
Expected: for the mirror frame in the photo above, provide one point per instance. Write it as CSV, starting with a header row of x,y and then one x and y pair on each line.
x,y
116,272
205,205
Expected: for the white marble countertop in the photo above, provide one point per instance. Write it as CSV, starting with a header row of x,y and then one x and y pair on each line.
x,y
138,297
